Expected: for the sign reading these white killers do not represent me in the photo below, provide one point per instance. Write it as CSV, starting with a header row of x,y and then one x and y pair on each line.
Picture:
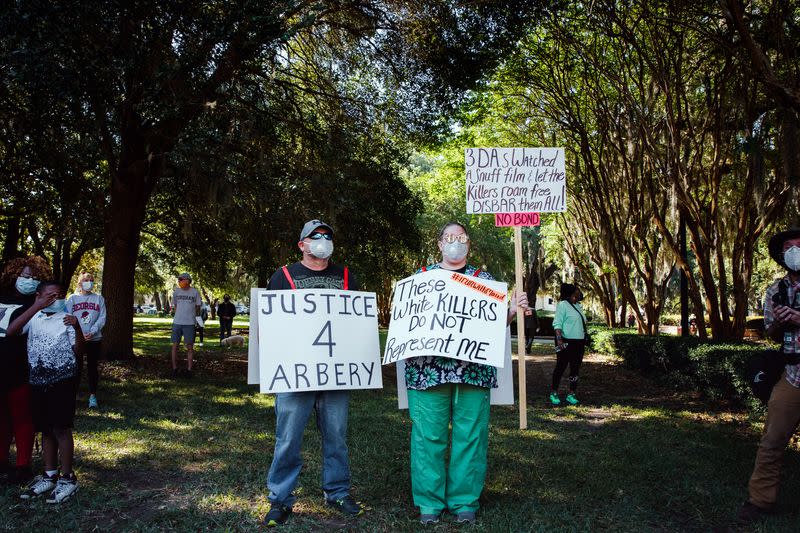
x,y
515,180
314,339
447,314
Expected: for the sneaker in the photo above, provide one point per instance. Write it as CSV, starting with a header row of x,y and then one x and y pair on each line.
x,y
571,399
38,486
20,475
174,374
92,402
554,399
346,505
65,488
277,515
428,519
199,343
465,517
188,374
750,513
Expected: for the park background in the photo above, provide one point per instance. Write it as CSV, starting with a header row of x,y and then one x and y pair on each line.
x,y
143,140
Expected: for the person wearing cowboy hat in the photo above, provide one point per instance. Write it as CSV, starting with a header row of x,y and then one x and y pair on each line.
x,y
782,324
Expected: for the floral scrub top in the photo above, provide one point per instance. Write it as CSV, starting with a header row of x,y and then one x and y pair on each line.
x,y
426,372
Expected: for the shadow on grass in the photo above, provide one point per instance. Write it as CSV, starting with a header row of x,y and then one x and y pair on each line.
x,y
191,455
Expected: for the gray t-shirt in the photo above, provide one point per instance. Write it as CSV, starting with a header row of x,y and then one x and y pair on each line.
x,y
185,301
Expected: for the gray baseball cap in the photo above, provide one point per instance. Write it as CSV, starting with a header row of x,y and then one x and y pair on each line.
x,y
312,225
185,275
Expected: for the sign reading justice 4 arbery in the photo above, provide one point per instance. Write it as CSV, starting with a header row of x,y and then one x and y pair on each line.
x,y
318,339
443,313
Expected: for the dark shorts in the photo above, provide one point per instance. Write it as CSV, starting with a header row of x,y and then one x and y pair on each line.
x,y
53,406
187,332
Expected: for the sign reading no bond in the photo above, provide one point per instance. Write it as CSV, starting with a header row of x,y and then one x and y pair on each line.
x,y
515,180
317,339
447,314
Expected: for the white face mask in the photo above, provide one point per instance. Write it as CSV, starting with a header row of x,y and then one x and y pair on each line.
x,y
321,248
87,285
791,258
455,251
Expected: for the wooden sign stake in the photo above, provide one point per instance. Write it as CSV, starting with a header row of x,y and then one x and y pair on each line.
x,y
523,401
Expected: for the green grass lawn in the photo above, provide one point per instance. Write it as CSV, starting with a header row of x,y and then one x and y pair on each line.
x,y
191,455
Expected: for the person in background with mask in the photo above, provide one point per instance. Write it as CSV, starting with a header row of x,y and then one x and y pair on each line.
x,y
226,311
55,340
90,310
782,325
569,324
292,409
18,284
445,392
186,304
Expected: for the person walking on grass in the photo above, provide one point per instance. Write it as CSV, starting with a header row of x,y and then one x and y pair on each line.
x,y
782,325
90,310
569,324
226,311
442,393
186,304
292,409
18,283
55,340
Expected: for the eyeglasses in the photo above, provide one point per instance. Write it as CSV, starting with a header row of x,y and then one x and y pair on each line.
x,y
318,236
450,238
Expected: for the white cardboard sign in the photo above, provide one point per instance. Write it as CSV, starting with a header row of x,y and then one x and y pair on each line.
x,y
515,180
447,314
314,339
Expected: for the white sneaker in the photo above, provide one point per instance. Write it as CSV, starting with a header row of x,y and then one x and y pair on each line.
x,y
38,486
65,488
199,343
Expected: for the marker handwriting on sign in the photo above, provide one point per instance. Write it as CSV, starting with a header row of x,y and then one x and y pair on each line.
x,y
448,314
320,303
515,180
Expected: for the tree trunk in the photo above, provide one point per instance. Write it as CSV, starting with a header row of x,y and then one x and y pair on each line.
x,y
157,299
11,239
131,188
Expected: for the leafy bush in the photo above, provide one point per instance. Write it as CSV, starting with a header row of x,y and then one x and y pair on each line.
x,y
716,369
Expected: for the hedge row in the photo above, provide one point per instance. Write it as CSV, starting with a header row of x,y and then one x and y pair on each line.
x,y
716,369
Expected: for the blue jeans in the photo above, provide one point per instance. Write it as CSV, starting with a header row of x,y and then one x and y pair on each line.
x,y
292,410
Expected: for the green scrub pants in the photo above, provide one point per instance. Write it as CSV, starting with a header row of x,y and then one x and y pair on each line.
x,y
436,487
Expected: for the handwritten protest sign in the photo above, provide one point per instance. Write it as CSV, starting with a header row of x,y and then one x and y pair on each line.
x,y
450,315
314,339
515,180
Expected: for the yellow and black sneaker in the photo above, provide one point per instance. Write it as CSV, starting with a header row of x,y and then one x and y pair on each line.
x,y
277,515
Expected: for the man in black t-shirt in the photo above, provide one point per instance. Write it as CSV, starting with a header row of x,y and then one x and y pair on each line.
x,y
292,409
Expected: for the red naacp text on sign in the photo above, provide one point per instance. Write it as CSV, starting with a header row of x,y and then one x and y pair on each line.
x,y
470,282
516,219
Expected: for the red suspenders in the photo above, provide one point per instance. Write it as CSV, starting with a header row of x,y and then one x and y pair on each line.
x,y
292,285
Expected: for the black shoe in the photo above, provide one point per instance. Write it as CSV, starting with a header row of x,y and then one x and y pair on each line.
x,y
277,515
174,374
750,513
188,374
346,505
